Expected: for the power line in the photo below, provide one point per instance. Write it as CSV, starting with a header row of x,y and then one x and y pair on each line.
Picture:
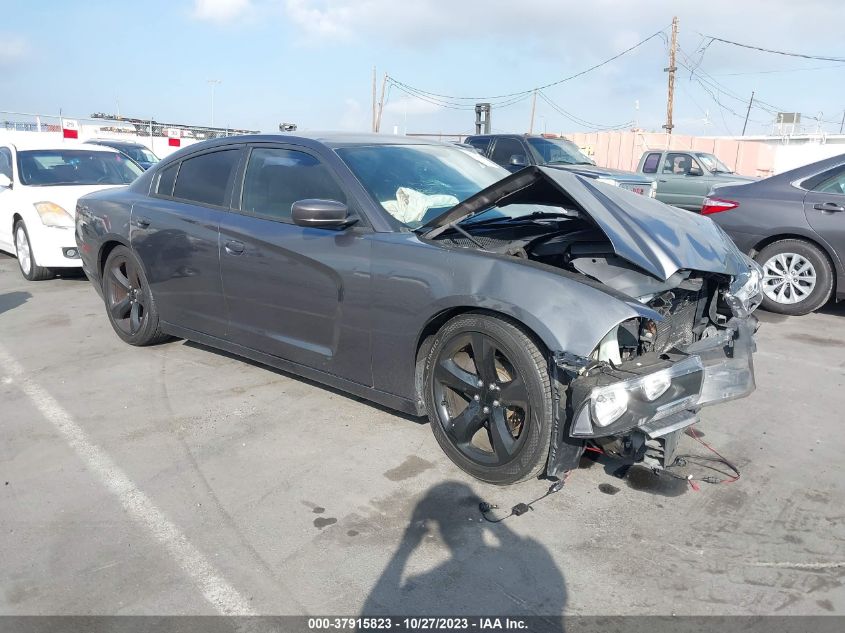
x,y
531,90
578,120
770,50
782,70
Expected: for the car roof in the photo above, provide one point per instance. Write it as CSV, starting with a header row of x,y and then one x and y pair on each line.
x,y
517,135
48,144
330,139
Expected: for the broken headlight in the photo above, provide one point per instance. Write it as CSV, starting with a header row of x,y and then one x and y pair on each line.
x,y
746,290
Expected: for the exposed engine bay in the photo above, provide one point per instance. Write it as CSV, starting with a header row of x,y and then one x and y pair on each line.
x,y
688,301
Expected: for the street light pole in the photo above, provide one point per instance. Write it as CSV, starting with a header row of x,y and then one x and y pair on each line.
x,y
213,83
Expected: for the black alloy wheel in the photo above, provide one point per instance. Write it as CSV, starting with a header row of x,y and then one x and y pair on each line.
x,y
131,308
489,398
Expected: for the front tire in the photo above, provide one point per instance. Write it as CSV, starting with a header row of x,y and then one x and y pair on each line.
x,y
797,277
488,397
130,305
26,258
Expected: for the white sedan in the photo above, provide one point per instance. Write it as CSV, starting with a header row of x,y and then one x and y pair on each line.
x,y
39,187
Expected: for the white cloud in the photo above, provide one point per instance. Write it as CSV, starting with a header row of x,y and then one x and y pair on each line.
x,y
410,106
13,48
353,116
333,20
567,28
219,10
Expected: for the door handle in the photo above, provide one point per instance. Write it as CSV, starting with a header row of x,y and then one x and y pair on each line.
x,y
830,207
141,223
234,247
661,180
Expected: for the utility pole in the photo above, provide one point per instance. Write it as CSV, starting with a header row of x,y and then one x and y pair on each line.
x,y
533,107
747,112
670,99
842,125
213,83
381,103
374,100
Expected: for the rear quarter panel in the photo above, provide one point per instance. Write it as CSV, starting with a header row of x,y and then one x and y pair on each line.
x,y
101,218
767,211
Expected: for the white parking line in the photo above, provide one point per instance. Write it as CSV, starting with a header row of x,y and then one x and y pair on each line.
x,y
214,588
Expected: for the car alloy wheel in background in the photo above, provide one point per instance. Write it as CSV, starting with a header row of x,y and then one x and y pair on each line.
x,y
22,249
797,277
26,258
788,278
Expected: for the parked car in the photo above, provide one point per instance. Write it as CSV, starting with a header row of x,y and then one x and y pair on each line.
x,y
515,151
138,152
685,178
528,315
793,224
39,186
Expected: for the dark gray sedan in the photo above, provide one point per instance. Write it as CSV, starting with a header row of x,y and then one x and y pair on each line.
x,y
793,224
527,315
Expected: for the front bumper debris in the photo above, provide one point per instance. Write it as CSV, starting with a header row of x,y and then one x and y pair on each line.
x,y
709,371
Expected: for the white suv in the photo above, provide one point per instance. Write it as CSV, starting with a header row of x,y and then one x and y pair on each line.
x,y
39,187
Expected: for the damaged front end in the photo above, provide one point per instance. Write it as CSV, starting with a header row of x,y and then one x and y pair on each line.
x,y
648,380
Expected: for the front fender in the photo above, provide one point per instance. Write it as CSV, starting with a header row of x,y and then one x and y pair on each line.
x,y
566,311
415,281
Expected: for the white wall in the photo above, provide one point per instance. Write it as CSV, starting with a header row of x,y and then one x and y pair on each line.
x,y
796,155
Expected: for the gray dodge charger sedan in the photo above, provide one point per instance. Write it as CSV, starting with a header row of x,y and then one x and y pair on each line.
x,y
528,315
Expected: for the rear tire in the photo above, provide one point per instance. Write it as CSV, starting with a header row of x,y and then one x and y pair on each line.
x,y
498,431
798,277
130,305
30,269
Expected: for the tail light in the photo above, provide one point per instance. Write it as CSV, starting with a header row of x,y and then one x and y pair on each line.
x,y
717,205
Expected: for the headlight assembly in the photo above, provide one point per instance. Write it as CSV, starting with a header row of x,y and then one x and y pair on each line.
x,y
52,214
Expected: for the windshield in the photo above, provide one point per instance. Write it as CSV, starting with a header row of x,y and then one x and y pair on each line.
x,y
52,167
552,151
416,183
713,164
139,154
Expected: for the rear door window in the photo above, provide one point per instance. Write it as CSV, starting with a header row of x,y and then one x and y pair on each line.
x,y
831,181
204,179
505,148
276,178
651,163
166,180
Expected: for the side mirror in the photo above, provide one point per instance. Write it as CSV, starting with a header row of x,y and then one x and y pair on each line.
x,y
5,182
326,214
518,160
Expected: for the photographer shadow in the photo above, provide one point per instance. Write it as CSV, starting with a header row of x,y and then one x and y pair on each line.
x,y
490,570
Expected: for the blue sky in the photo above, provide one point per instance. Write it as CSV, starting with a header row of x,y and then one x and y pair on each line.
x,y
310,61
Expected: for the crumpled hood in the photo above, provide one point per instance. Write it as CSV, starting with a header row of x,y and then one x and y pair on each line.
x,y
654,236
